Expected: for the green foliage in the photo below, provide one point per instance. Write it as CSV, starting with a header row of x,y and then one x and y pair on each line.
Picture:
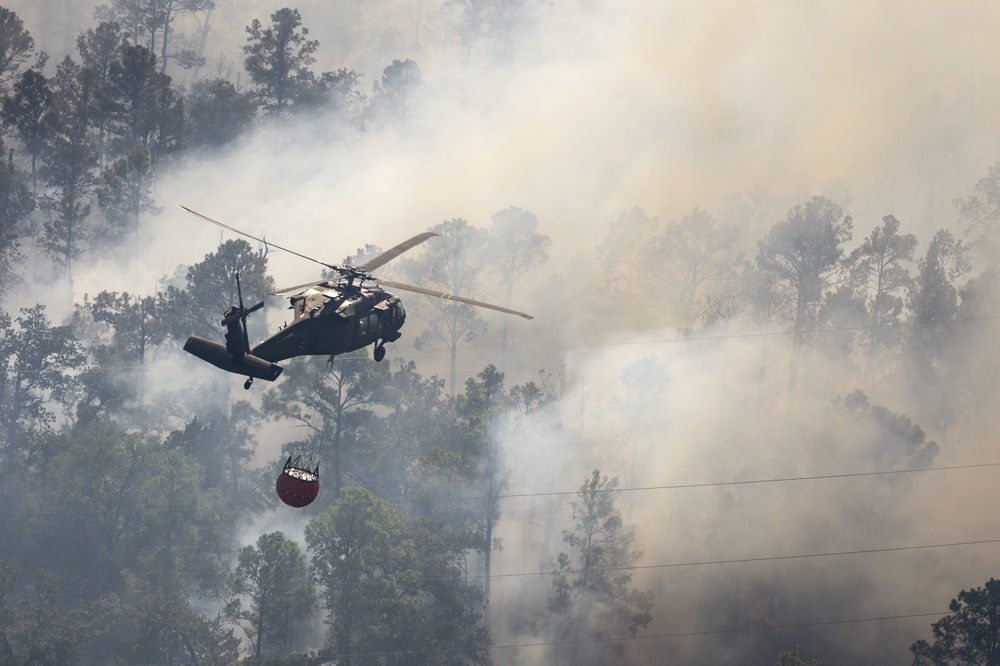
x,y
686,259
136,322
592,594
30,112
69,172
891,440
145,110
792,658
981,211
125,193
278,59
145,625
621,252
33,628
970,635
802,254
151,22
273,577
395,586
364,565
934,306
333,401
451,263
15,204
186,529
98,479
211,289
417,415
217,113
37,361
16,47
392,98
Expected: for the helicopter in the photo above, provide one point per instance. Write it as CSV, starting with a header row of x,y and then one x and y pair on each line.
x,y
348,311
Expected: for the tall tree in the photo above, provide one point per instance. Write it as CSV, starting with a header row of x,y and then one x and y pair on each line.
x,y
15,204
495,24
324,397
125,193
147,109
802,256
363,563
218,113
211,289
37,360
970,635
273,576
453,605
34,629
135,320
16,48
592,592
153,626
29,111
686,258
99,49
392,97
878,267
981,211
101,471
933,302
150,23
185,529
890,440
417,411
70,161
453,264
278,58
621,254
482,464
516,247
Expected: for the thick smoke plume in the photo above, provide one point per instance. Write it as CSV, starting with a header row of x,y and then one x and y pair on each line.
x,y
744,109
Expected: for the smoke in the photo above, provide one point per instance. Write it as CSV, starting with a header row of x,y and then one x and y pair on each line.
x,y
889,109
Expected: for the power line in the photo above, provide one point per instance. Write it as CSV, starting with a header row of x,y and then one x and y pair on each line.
x,y
559,493
745,482
618,639
639,567
680,634
597,345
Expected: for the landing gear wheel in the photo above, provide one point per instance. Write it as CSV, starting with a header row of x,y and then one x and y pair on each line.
x,y
379,352
248,383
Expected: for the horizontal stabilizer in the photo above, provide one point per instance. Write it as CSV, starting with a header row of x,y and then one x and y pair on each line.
x,y
247,365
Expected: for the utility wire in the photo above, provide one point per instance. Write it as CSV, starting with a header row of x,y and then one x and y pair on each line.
x,y
641,567
680,634
560,493
592,641
597,345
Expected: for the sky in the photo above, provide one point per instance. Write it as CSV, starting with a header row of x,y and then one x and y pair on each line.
x,y
889,108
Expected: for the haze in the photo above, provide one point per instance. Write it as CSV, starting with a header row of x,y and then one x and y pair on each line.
x,y
742,109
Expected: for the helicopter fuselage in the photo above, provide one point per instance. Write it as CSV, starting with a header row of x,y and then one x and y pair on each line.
x,y
335,319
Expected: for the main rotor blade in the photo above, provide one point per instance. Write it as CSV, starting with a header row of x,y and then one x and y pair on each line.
x,y
449,297
259,240
392,253
298,288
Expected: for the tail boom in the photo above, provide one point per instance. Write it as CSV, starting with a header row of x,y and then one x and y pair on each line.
x,y
247,365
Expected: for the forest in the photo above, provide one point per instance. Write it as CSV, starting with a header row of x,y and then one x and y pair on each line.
x,y
749,423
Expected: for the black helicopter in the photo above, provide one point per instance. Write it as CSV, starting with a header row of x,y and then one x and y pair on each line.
x,y
334,316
